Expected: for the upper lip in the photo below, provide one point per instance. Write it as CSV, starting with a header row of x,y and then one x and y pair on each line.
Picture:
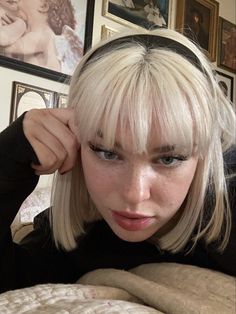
x,y
131,215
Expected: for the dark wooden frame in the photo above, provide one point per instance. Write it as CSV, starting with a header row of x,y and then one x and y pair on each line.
x,y
230,80
182,12
47,73
19,89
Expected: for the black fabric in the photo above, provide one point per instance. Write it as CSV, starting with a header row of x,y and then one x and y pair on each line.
x,y
36,259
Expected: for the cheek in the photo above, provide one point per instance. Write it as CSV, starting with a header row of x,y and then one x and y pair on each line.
x,y
172,190
99,180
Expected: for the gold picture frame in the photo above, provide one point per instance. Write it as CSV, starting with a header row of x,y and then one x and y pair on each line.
x,y
61,100
135,14
107,31
226,57
198,20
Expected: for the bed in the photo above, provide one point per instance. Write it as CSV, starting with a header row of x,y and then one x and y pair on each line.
x,y
152,288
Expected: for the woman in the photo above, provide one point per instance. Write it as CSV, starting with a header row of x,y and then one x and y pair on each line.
x,y
140,159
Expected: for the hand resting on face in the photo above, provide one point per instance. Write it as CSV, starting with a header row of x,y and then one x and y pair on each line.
x,y
51,133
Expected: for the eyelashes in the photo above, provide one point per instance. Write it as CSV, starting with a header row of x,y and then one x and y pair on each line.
x,y
166,160
104,154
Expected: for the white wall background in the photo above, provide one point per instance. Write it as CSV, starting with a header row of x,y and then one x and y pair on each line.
x,y
227,9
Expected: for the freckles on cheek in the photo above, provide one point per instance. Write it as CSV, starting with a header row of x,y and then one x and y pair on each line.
x,y
173,190
97,177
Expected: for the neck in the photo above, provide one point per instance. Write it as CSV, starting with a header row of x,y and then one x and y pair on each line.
x,y
37,21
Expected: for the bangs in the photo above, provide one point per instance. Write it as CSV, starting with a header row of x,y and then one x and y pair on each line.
x,y
143,92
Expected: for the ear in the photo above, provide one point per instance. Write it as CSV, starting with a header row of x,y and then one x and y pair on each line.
x,y
44,6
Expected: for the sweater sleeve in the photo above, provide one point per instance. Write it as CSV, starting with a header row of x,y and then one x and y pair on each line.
x,y
35,260
17,178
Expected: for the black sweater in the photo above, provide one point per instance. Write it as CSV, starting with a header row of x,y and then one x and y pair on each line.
x,y
36,259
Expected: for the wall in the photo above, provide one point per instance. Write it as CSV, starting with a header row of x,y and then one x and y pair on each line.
x,y
7,76
227,10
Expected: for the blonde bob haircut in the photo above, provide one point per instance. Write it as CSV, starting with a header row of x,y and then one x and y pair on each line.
x,y
145,79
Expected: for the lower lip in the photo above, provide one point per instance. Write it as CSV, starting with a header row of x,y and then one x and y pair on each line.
x,y
134,224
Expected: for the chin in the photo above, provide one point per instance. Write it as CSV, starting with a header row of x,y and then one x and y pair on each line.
x,y
131,236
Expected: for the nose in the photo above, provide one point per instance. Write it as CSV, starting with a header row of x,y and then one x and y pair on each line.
x,y
136,186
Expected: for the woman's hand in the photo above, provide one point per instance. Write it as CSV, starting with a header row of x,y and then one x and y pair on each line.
x,y
51,133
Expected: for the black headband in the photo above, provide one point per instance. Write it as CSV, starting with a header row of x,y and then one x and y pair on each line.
x,y
150,42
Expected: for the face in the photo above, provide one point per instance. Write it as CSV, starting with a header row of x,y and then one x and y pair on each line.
x,y
30,8
196,18
11,5
137,194
27,4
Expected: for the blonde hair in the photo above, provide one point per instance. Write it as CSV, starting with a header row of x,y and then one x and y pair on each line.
x,y
145,78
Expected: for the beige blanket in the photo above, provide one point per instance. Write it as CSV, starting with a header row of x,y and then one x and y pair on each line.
x,y
151,288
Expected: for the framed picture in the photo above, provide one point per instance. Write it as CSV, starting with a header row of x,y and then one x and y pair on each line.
x,y
226,83
26,97
49,47
136,13
197,19
227,45
107,32
61,100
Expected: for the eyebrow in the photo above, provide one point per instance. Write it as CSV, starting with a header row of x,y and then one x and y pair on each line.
x,y
164,149
161,149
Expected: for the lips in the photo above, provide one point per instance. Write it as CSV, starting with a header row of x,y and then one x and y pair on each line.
x,y
132,221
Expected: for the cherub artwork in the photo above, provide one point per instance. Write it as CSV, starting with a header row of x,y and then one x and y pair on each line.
x,y
12,26
44,33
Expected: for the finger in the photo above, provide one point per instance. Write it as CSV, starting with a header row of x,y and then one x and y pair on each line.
x,y
63,114
43,136
67,139
45,126
48,160
67,116
7,19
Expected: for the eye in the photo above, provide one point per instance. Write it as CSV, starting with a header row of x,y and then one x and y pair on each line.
x,y
171,161
104,154
167,160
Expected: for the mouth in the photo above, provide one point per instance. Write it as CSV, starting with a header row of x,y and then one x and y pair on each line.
x,y
132,221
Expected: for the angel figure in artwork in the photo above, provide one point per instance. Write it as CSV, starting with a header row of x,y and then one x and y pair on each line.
x,y
12,26
50,40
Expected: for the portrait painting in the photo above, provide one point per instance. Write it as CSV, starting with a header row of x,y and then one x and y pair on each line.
x,y
227,45
148,14
197,19
44,37
226,83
